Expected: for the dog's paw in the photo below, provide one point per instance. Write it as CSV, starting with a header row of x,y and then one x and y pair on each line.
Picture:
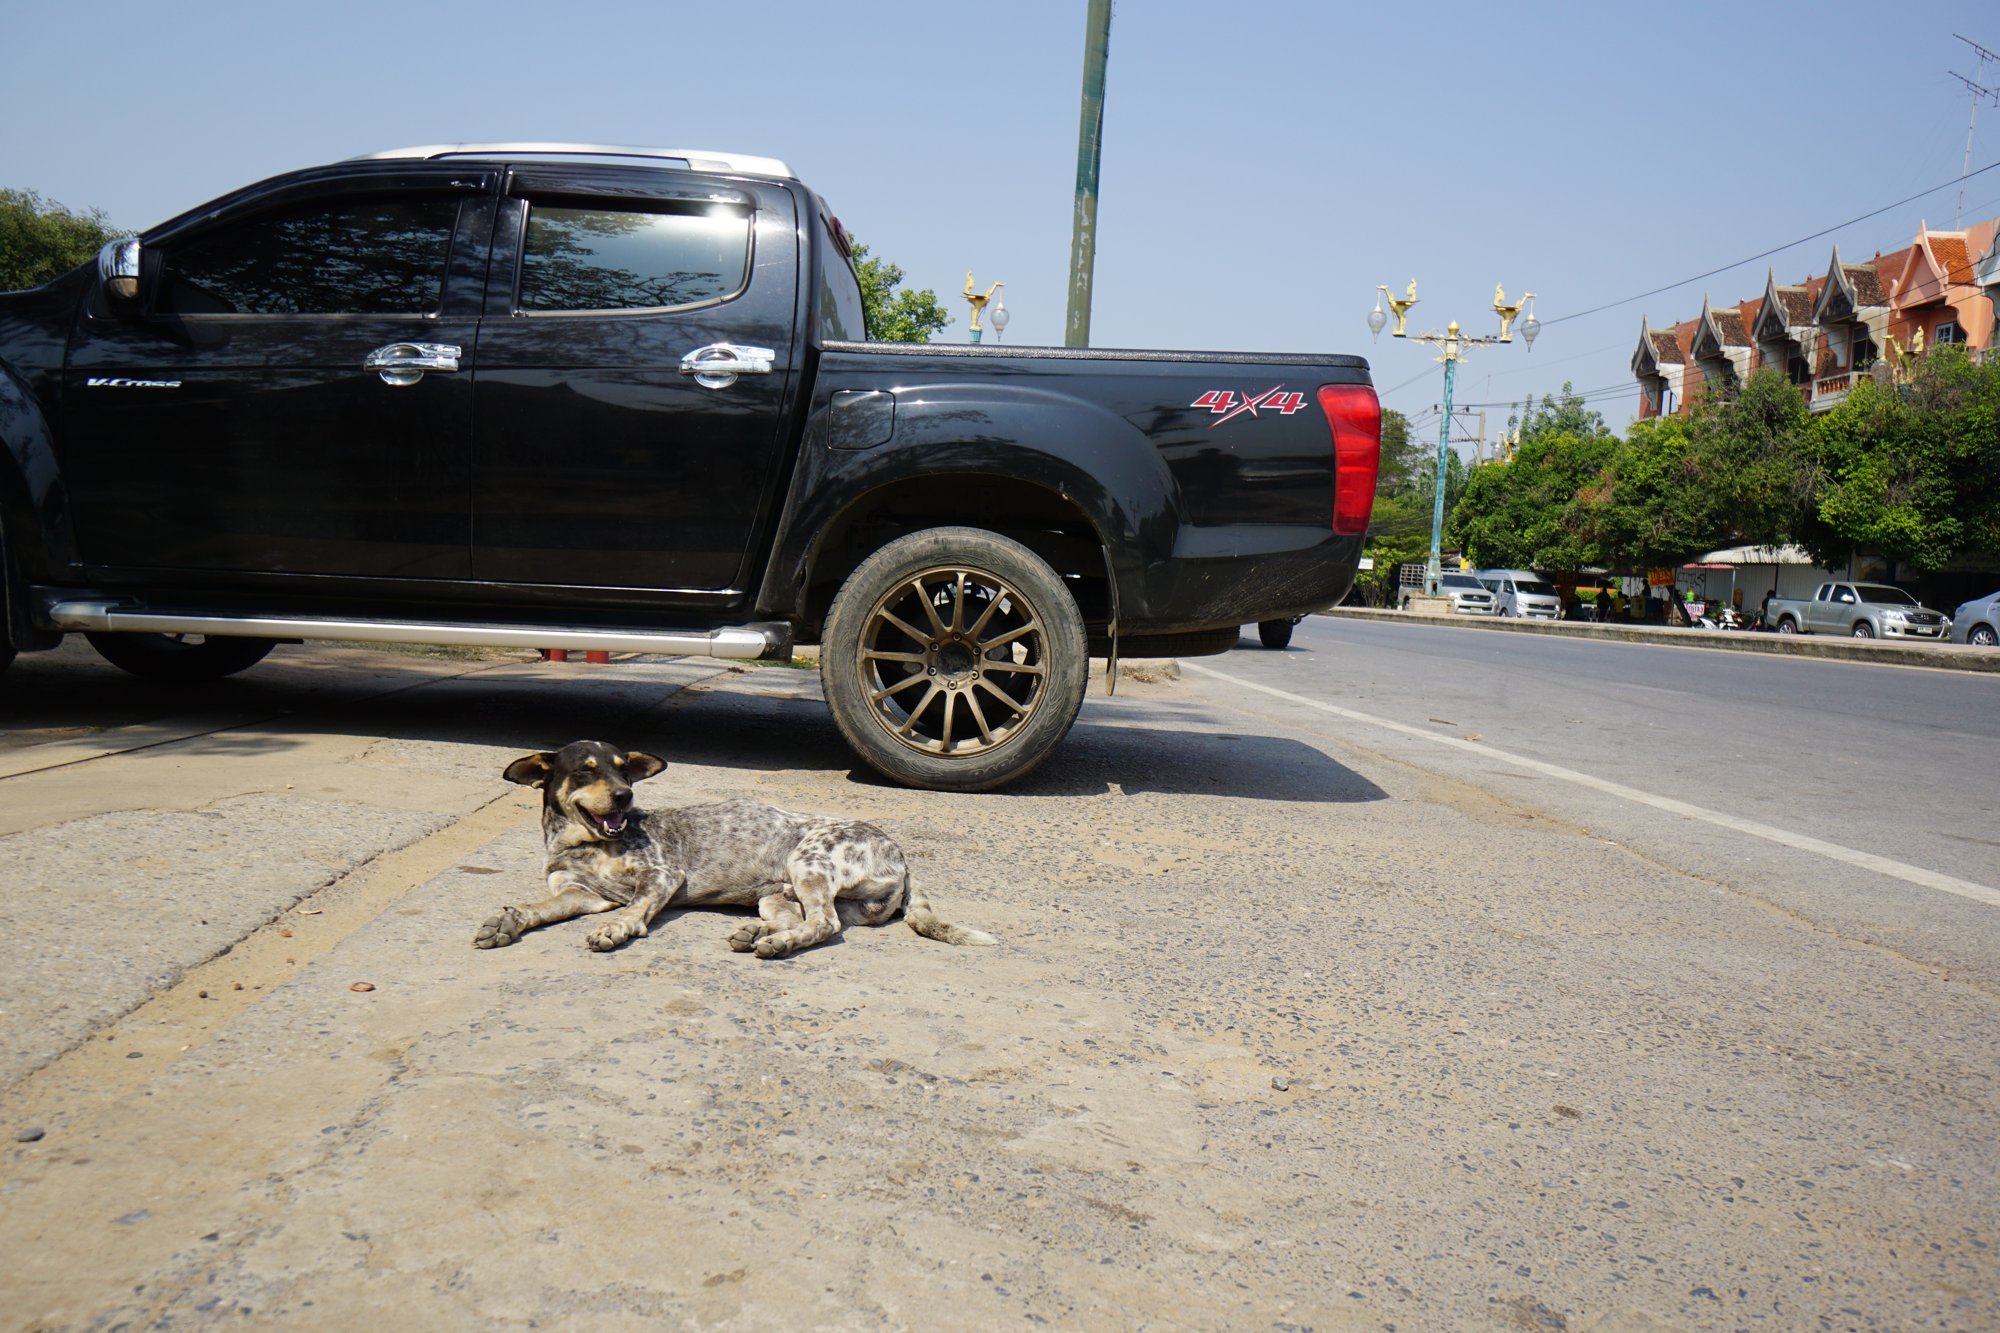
x,y
744,938
499,930
776,944
614,933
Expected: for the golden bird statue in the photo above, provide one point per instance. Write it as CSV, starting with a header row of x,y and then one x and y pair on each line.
x,y
1508,313
1401,307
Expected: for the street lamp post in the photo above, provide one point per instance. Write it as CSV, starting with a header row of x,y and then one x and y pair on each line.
x,y
1452,344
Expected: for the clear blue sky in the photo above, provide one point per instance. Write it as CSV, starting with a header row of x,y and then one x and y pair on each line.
x,y
1265,164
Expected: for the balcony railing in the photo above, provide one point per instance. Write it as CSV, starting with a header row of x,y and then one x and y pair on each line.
x,y
1828,390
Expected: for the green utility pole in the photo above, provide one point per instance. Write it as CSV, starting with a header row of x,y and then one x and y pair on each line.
x,y
1433,571
1089,149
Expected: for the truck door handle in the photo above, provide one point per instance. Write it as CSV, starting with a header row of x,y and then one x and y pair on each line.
x,y
405,363
717,365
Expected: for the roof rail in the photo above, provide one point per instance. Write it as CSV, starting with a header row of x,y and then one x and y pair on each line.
x,y
695,159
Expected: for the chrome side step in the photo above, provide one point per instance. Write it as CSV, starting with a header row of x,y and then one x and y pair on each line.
x,y
736,641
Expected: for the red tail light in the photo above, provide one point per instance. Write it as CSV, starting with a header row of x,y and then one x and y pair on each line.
x,y
1354,414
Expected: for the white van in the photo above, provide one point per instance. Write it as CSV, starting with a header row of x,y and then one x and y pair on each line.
x,y
1522,592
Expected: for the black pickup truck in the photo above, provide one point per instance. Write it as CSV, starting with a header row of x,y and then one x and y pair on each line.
x,y
578,397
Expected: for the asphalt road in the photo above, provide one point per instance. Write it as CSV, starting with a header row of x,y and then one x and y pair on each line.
x,y
1414,978
1867,794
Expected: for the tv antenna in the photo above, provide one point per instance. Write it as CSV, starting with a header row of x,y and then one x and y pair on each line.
x,y
1980,92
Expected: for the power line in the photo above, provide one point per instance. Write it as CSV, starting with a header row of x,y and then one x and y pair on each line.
x,y
1613,305
1384,393
1583,395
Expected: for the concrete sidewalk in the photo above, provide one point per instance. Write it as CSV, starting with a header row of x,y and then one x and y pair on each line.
x,y
1943,656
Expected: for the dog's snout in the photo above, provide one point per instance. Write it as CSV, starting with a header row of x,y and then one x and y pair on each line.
x,y
621,797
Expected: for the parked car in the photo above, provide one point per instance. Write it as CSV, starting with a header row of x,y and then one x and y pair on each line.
x,y
1521,592
581,397
1469,597
1863,610
1977,622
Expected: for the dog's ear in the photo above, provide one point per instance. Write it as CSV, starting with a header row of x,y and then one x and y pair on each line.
x,y
638,766
531,770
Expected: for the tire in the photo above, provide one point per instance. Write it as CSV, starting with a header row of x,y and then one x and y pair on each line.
x,y
980,633
1982,636
180,658
1786,625
1274,634
1862,630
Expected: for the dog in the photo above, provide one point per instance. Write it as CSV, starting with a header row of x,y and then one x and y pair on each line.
x,y
806,876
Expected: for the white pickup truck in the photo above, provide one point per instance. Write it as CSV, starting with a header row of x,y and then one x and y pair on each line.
x,y
1864,610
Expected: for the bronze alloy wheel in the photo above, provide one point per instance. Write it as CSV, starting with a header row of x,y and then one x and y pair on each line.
x,y
954,661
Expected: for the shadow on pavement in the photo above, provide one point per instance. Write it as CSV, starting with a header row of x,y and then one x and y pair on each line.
x,y
1137,746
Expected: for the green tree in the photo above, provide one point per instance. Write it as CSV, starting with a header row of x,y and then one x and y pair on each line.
x,y
1752,446
896,316
1402,459
40,239
1660,501
1535,512
1909,470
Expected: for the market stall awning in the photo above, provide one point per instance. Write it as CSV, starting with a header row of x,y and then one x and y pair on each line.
x,y
1757,555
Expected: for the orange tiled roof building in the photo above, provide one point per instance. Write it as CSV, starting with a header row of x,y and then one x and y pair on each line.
x,y
1942,287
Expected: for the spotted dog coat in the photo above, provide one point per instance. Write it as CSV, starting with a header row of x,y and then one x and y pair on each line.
x,y
806,876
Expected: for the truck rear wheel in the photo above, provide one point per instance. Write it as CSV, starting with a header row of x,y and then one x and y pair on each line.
x,y
1786,625
180,657
953,659
1274,634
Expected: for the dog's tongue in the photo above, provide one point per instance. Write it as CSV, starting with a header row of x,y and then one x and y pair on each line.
x,y
613,825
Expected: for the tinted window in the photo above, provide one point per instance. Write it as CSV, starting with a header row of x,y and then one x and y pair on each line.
x,y
619,259
841,314
354,257
1536,588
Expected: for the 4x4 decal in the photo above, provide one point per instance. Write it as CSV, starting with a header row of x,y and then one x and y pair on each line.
x,y
1225,404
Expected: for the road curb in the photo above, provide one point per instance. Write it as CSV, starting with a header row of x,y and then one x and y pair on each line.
x,y
1944,657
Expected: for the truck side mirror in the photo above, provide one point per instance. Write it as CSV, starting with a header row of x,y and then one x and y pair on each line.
x,y
118,270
